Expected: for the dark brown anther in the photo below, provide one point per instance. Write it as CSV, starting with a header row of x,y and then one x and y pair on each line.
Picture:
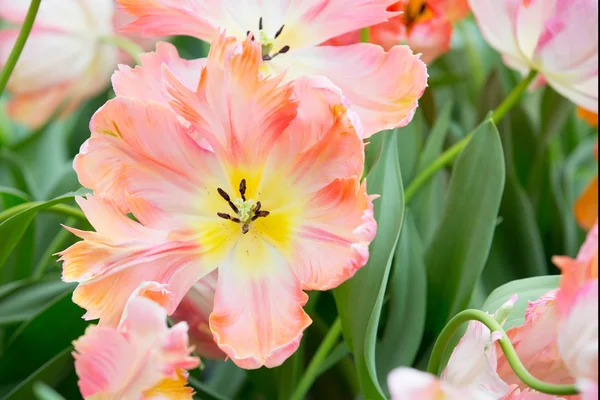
x,y
243,189
223,194
236,220
423,8
279,31
260,24
284,49
224,216
245,228
259,214
257,207
267,58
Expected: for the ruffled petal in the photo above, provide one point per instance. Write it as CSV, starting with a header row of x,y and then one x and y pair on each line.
x,y
586,207
146,82
578,336
129,253
240,114
333,241
408,383
535,343
382,87
141,156
258,317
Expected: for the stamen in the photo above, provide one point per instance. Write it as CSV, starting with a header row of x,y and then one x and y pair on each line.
x,y
224,194
243,189
224,216
260,24
283,50
279,31
245,228
259,214
258,206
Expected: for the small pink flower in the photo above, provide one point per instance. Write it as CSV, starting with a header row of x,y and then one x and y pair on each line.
x,y
246,173
64,59
139,359
382,86
425,25
553,37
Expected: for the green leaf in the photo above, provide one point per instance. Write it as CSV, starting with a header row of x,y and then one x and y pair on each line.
x,y
360,299
25,303
529,289
373,152
203,391
51,373
407,306
14,223
52,329
11,197
226,378
459,249
45,392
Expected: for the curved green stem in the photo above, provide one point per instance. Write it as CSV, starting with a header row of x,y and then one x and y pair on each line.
x,y
324,349
364,35
449,155
507,347
125,44
11,62
68,211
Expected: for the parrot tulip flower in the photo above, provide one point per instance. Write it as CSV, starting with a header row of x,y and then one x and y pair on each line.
x,y
383,87
425,25
553,37
255,176
142,358
65,60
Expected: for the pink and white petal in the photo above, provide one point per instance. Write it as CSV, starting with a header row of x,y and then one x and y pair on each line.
x,y
431,38
233,105
589,249
104,361
258,318
146,82
382,87
408,383
496,19
198,18
536,346
578,335
333,241
528,394
195,309
73,16
473,362
110,264
141,156
311,22
575,274
583,93
530,23
588,388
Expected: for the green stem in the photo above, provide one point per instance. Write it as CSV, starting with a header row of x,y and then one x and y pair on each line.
x,y
324,349
507,347
125,44
69,211
449,155
364,35
11,62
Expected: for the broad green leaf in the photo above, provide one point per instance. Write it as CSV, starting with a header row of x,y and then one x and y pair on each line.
x,y
14,226
435,140
226,378
203,391
25,303
409,145
51,373
373,152
529,289
45,392
407,305
11,197
360,299
52,329
459,249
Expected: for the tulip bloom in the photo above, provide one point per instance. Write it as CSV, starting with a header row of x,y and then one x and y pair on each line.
x,y
550,36
255,176
425,25
141,359
65,60
383,87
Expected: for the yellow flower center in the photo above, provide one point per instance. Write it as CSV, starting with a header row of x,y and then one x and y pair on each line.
x,y
246,211
267,43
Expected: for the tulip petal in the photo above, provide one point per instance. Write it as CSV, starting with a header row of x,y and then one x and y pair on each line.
x,y
586,207
258,317
333,241
126,252
383,88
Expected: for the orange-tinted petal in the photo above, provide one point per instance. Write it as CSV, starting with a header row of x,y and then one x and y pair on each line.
x,y
588,116
586,207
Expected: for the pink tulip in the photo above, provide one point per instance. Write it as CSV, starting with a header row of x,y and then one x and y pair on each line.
x,y
65,60
246,173
139,359
383,87
555,37
425,25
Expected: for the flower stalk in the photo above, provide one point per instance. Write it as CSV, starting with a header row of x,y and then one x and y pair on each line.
x,y
506,346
